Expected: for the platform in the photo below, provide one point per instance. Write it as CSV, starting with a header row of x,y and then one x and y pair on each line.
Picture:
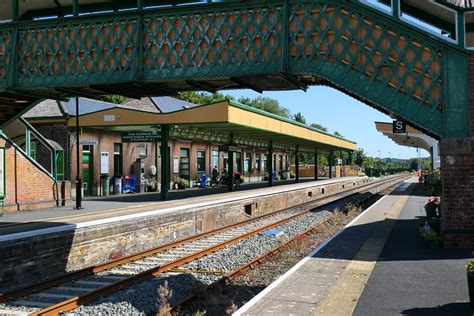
x,y
380,248
100,210
51,242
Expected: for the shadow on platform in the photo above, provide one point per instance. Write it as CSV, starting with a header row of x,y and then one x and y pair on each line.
x,y
458,309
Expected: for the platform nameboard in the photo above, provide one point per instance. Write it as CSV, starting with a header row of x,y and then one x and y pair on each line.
x,y
141,137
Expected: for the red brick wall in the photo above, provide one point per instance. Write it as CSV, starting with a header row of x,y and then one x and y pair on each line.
x,y
27,187
457,168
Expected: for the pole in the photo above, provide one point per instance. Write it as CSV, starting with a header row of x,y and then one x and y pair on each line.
x,y
230,173
297,164
330,165
165,161
269,164
78,169
15,10
316,164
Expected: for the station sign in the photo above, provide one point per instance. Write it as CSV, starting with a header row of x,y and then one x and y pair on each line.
x,y
141,137
399,127
228,148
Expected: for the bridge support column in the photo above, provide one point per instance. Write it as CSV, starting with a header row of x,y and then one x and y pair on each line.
x,y
457,171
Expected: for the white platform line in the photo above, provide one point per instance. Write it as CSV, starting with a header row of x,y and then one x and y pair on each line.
x,y
273,285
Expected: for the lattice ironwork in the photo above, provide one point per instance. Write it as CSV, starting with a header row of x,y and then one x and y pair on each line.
x,y
5,55
213,43
75,53
360,54
381,61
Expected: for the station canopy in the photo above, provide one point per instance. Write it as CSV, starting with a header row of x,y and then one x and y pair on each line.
x,y
226,122
412,137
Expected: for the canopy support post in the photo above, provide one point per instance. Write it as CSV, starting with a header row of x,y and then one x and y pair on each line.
x,y
165,161
316,164
270,164
297,164
330,165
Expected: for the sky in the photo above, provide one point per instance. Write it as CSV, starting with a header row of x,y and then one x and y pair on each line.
x,y
339,112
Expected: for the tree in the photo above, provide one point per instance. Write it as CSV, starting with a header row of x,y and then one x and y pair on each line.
x,y
114,98
202,98
319,126
298,117
336,133
358,157
267,105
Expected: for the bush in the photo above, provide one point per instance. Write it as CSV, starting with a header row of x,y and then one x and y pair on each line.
x,y
292,174
470,267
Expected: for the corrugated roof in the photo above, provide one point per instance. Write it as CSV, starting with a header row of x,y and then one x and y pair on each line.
x,y
168,104
144,104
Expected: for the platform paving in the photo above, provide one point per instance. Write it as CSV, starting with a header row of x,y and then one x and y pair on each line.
x,y
377,266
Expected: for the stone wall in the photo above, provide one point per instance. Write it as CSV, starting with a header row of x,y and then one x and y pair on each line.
x,y
44,256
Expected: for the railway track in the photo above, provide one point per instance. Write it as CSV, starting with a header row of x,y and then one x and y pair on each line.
x,y
78,288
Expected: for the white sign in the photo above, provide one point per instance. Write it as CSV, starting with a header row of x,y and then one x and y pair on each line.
x,y
104,162
109,118
2,173
175,164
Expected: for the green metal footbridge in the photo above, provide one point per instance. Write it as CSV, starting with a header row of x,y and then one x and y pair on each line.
x,y
52,49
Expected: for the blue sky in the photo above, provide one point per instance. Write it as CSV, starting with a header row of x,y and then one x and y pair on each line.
x,y
339,112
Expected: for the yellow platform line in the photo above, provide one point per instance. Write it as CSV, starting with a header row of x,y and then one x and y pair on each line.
x,y
343,296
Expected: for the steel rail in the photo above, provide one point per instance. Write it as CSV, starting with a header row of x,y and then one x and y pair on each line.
x,y
112,287
173,310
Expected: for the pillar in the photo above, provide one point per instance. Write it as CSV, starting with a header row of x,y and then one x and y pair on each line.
x,y
270,164
316,164
396,9
165,161
15,10
230,183
330,164
297,164
75,7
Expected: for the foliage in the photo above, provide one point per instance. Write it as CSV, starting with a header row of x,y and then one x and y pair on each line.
x,y
182,183
358,157
202,98
298,117
114,98
268,105
470,266
319,126
336,133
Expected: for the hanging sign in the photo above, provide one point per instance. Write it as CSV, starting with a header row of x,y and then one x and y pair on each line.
x,y
141,137
399,127
104,162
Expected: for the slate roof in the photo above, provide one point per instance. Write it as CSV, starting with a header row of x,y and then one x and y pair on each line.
x,y
168,104
52,108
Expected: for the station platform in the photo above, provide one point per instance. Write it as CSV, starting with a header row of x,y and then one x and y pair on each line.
x,y
376,265
99,210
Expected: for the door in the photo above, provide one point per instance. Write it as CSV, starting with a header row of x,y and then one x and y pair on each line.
x,y
87,172
184,163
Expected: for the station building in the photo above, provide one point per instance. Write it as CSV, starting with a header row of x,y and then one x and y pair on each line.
x,y
125,146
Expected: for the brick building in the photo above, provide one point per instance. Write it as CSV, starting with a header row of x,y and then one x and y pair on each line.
x,y
189,158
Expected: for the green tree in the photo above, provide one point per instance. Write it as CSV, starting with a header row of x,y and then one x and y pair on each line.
x,y
114,98
202,98
358,157
319,126
336,133
298,117
267,104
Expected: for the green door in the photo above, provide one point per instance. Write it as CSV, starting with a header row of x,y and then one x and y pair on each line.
x,y
87,172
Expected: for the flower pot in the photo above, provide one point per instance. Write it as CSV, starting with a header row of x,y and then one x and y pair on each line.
x,y
470,286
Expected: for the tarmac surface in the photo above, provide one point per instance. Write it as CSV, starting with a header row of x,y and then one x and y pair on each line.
x,y
378,265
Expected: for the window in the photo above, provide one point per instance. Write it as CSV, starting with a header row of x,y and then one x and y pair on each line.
x,y
258,166
118,163
238,162
184,163
265,164
215,159
201,162
226,161
280,163
248,163
32,150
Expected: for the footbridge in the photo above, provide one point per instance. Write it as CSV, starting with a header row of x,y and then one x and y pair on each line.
x,y
406,58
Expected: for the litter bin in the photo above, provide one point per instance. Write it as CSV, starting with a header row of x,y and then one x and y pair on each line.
x,y
105,184
203,181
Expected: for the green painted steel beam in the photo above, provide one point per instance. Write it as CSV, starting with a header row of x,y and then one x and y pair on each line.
x,y
165,161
